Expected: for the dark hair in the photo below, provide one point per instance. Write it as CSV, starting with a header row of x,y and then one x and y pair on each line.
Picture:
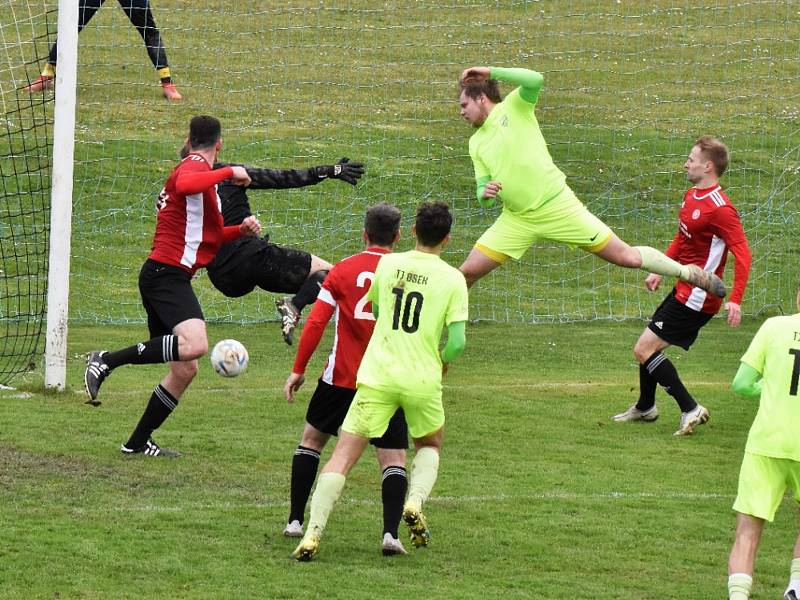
x,y
382,224
715,151
487,87
433,223
204,132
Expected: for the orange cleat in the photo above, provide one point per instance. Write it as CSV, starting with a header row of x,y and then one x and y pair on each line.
x,y
170,92
44,82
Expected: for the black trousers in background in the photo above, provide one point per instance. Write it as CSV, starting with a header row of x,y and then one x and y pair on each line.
x,y
139,13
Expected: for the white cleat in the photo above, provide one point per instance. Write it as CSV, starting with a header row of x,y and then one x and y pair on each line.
x,y
634,414
293,529
692,419
391,546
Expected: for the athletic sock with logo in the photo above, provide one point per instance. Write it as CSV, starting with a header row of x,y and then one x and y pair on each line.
x,y
156,350
665,373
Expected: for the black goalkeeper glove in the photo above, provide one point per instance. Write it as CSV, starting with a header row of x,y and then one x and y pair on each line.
x,y
344,170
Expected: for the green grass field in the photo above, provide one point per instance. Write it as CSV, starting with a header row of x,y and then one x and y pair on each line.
x,y
539,495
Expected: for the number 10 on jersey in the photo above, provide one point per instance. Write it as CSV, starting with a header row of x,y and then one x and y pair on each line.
x,y
406,310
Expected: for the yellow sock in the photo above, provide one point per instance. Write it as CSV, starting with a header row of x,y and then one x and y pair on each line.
x,y
739,586
424,471
163,73
329,488
658,262
49,71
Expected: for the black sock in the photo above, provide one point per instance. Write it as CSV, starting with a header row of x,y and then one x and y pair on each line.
x,y
166,80
647,390
309,290
664,372
157,350
305,463
160,406
393,493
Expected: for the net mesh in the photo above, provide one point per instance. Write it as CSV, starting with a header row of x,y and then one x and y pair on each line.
x,y
629,86
25,144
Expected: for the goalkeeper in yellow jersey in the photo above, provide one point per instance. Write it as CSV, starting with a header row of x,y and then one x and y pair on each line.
x,y
512,165
770,369
414,296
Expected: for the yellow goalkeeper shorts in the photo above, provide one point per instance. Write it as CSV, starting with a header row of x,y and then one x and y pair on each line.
x,y
762,483
372,409
564,219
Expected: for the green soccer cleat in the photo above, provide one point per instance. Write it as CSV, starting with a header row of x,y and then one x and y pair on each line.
x,y
417,527
307,548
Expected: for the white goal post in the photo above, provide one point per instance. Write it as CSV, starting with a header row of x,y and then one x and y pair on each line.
x,y
55,370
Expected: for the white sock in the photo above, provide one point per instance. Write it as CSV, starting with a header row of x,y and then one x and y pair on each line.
x,y
739,586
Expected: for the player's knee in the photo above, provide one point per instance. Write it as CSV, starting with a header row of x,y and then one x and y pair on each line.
x,y
194,348
313,438
391,458
185,371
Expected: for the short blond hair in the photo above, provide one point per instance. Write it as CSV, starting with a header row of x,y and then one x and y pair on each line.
x,y
715,151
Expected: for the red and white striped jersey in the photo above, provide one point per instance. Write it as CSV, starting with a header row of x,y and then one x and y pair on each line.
x,y
343,296
709,226
189,227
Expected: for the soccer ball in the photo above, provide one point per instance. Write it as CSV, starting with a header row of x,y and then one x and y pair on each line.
x,y
229,358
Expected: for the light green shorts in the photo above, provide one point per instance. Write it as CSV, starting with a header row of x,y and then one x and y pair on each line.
x,y
372,409
763,481
563,219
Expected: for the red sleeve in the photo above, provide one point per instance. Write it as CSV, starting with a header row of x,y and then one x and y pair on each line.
x,y
321,313
194,182
230,233
728,227
674,248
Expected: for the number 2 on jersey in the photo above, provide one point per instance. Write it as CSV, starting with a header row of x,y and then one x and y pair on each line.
x,y
360,311
410,310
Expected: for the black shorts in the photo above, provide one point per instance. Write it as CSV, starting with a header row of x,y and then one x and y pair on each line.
x,y
676,323
248,262
167,296
328,408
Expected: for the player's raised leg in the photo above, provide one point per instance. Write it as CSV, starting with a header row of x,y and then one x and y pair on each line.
x,y
290,307
480,262
649,259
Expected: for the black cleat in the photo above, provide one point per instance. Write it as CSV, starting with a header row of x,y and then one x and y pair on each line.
x,y
289,318
96,372
150,448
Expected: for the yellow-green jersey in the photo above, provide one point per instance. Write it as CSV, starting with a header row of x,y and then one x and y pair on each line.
x,y
775,353
509,147
418,295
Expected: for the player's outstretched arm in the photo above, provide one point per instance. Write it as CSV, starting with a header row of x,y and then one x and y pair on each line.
x,y
747,381
279,179
530,82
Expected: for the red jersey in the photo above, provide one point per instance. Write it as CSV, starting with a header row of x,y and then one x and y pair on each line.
x,y
343,296
709,226
189,227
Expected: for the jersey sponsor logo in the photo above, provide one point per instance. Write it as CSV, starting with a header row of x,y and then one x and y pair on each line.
x,y
161,202
696,214
594,237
